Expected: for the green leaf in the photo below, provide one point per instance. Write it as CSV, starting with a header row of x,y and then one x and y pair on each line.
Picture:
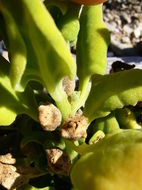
x,y
48,57
127,119
27,99
69,23
92,47
12,103
29,187
113,91
49,43
8,99
107,124
7,116
32,68
92,42
52,53
17,48
112,163
96,137
18,26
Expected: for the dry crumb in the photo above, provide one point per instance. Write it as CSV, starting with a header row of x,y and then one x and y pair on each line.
x,y
69,85
50,117
12,175
8,175
58,161
7,159
75,127
10,178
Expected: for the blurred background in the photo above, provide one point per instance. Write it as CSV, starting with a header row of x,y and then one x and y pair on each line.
x,y
124,21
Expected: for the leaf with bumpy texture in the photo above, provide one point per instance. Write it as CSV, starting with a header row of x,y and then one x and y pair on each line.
x,y
112,163
92,42
12,103
113,91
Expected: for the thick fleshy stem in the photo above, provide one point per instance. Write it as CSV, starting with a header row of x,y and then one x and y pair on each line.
x,y
84,88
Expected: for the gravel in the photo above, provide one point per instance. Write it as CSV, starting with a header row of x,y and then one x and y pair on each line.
x,y
124,20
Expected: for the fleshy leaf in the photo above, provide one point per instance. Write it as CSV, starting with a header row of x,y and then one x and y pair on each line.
x,y
28,100
18,45
106,124
8,98
44,34
112,163
92,42
113,91
96,137
48,57
127,119
32,68
17,49
69,23
49,42
29,187
12,103
7,116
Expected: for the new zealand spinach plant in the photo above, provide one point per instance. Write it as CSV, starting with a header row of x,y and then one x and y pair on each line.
x,y
65,123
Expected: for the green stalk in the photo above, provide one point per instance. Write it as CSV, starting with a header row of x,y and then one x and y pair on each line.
x,y
61,99
84,88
